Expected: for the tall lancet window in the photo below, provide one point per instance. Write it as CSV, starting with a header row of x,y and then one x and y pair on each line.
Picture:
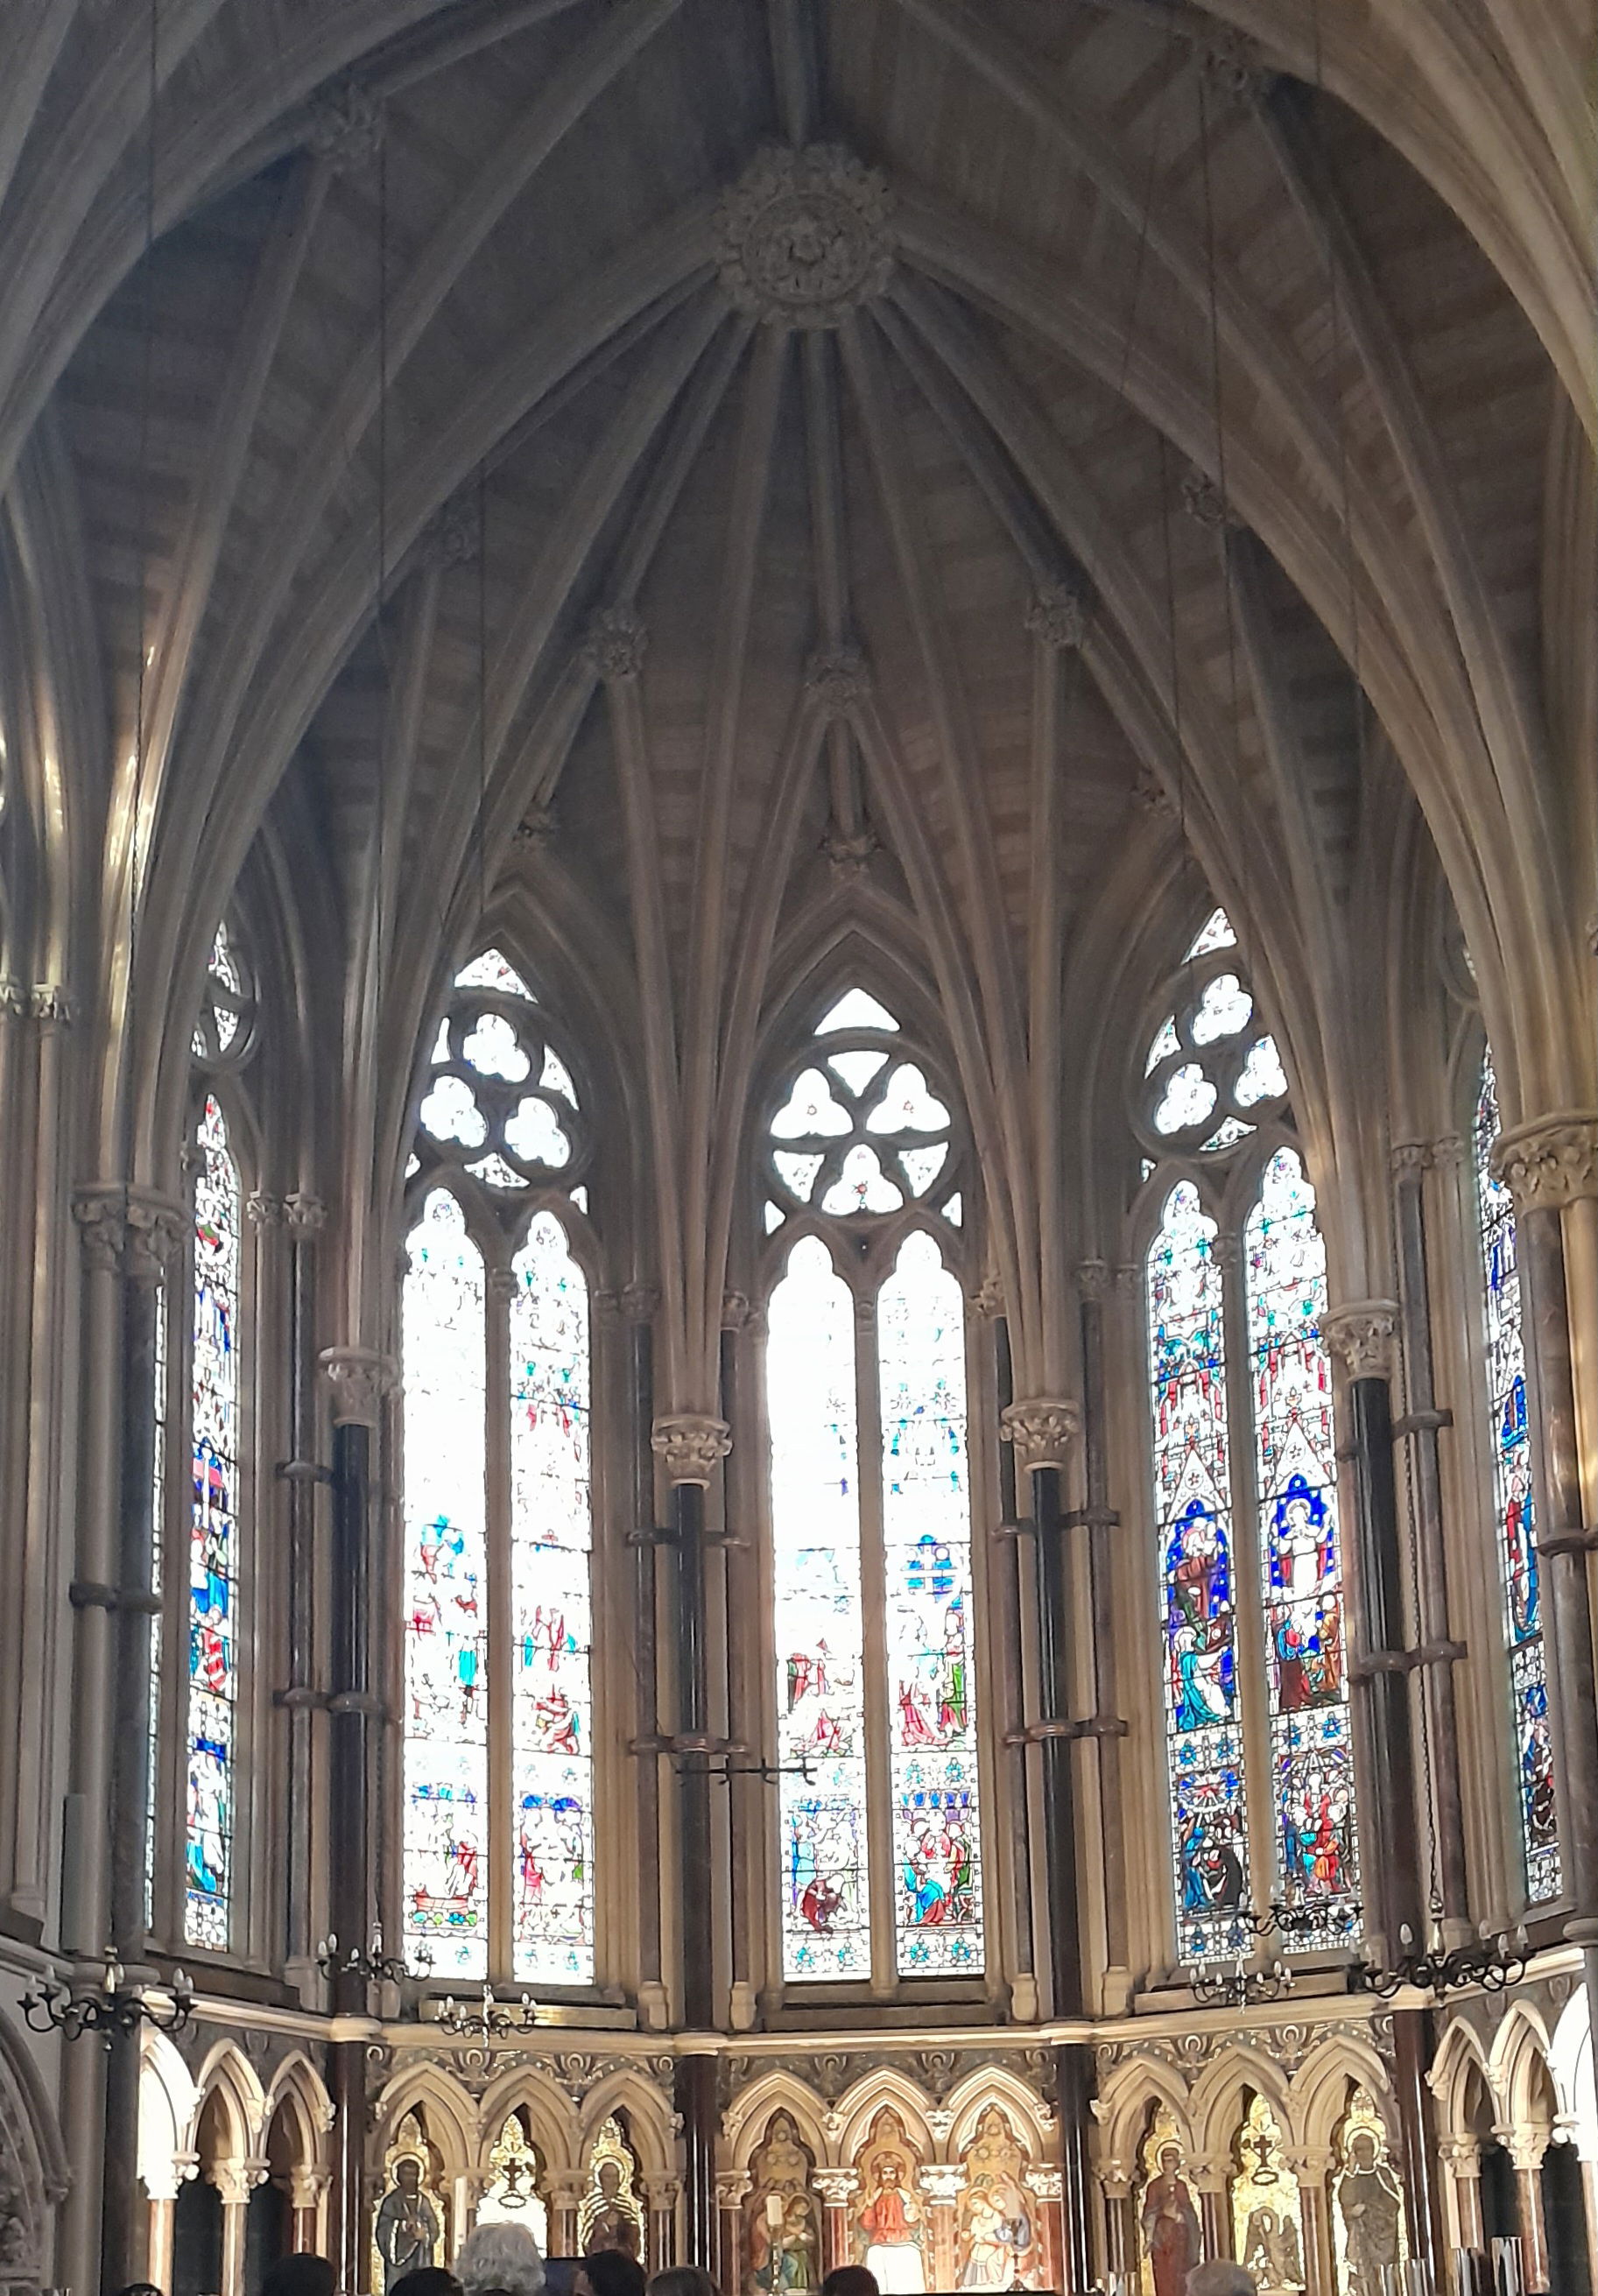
x,y
498,1863
1505,1358
213,1536
879,1817
1261,1778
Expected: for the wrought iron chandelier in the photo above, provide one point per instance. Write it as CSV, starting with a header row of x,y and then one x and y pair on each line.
x,y
1243,1985
111,2007
491,2021
1489,1965
372,1965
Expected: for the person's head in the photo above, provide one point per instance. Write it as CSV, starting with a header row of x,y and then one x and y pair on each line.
x,y
302,2274
608,2179
683,2280
849,2280
1362,2151
139,2288
500,2256
1221,2277
431,2280
407,2174
1170,2160
609,2272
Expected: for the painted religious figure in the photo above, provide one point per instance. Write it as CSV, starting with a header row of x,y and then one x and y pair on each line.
x,y
407,2232
1264,2206
782,2223
609,2215
1368,2205
997,2243
890,2221
1169,2219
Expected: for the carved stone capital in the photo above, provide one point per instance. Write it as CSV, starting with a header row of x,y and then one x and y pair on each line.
x,y
500,1283
1047,2184
1094,1279
265,1209
1057,616
50,1003
360,1378
691,1443
128,1231
1043,1429
805,236
306,1214
837,679
1151,795
837,2186
1233,67
14,998
615,643
307,2186
346,126
1550,1163
731,2185
1361,1335
943,2182
988,1301
640,1302
1407,1156
536,829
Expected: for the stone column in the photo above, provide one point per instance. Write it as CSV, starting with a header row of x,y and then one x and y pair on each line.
x,y
662,2196
308,2197
837,2187
161,2213
1526,2147
732,2187
235,2180
304,1218
1414,2049
1045,2186
1108,1729
690,1445
1210,2175
563,2195
1312,2166
1115,2192
1461,2157
359,1379
942,2182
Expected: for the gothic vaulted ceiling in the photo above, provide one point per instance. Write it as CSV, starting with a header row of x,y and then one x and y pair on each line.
x,y
905,459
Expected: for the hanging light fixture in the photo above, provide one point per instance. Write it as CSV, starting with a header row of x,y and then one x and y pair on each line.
x,y
491,2020
111,2007
372,1965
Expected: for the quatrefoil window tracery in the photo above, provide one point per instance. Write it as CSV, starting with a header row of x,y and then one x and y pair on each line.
x,y
860,1131
500,1104
1212,1073
223,1031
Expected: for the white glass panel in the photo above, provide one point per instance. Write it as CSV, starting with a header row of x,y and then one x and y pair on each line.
x,y
1215,932
1224,1009
797,1172
1263,1077
533,1133
449,1113
556,1077
862,1185
1166,1042
811,1111
492,970
906,1106
1189,1097
492,1049
857,1069
921,1166
856,1010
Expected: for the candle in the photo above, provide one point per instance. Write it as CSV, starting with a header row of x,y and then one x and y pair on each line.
x,y
773,2211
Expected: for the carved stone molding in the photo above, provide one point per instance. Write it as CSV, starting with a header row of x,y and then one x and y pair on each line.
x,y
346,126
691,1443
128,1231
1043,1429
615,643
306,1214
805,236
988,1301
1361,1335
1057,616
360,1378
1550,1163
837,679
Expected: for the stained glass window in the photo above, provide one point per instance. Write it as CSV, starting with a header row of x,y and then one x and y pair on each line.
x,y
1505,1352
926,1537
1187,1372
447,1563
498,1503
1301,1577
213,1540
862,1131
819,1619
552,1792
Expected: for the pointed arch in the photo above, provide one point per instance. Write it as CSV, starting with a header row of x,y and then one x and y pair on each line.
x,y
748,2116
648,2121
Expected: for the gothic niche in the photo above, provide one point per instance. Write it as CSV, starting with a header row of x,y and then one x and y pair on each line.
x,y
782,2221
1167,2215
892,2234
609,2215
999,2242
410,2230
514,2192
29,2192
1267,2231
1367,2203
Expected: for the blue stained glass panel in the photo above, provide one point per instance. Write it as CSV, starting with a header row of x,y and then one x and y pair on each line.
x,y
1187,1376
815,1549
213,1540
551,1537
447,1626
1513,1508
1301,1552
926,1534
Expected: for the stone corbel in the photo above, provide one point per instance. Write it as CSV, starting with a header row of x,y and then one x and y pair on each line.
x,y
1042,1429
1361,1335
692,1444
1550,1163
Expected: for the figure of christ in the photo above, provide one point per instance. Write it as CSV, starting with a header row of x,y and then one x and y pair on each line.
x,y
615,2222
889,2230
1170,2225
407,2231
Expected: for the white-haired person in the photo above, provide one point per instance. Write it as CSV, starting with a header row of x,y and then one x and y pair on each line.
x,y
1221,2277
500,2259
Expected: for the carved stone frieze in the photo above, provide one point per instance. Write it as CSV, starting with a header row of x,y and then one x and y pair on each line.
x,y
1041,1429
615,643
1550,1163
1361,1335
805,236
1057,615
360,1378
691,1443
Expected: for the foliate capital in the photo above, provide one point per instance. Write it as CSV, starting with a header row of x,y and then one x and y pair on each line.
x,y
692,1444
50,1003
1550,1163
1361,1335
360,1378
1094,1280
615,643
1043,1429
1057,616
306,1215
265,1210
943,2181
128,1231
835,2185
806,236
1407,1156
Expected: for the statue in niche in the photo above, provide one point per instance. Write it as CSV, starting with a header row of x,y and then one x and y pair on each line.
x,y
408,2230
1369,2204
783,2227
890,2221
1168,2217
1264,2206
609,2215
996,2243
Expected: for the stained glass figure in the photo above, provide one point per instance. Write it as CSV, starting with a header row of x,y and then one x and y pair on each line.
x,y
1187,1372
1505,1353
926,1536
213,1539
1300,1558
447,1682
550,1529
815,1553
